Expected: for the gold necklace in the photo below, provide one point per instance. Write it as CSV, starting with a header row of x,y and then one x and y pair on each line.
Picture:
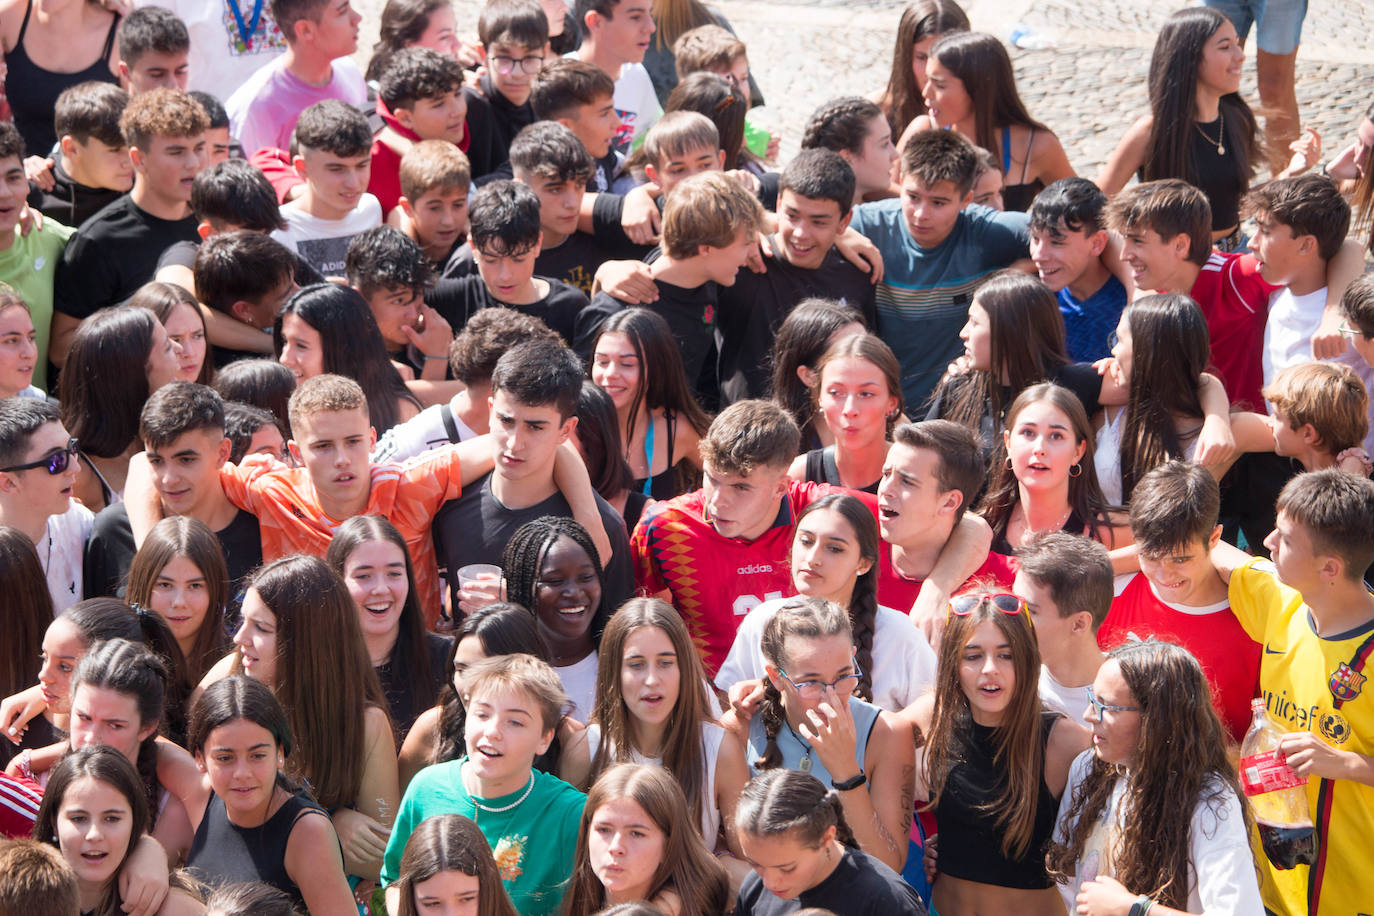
x,y
1030,533
1220,141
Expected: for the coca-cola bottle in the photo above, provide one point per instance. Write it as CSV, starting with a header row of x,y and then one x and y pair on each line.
x,y
1278,796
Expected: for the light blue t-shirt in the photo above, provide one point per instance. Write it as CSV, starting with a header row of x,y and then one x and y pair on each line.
x,y
924,295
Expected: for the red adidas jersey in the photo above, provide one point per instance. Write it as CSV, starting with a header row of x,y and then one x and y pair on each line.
x,y
1229,657
1235,300
899,593
19,801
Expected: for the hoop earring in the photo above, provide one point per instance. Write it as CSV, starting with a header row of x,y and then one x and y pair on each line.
x,y
1078,468
1008,462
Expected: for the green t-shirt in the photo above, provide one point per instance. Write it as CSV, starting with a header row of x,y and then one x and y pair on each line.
x,y
29,266
533,842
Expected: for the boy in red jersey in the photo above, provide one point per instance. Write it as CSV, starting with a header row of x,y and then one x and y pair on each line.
x,y
1177,596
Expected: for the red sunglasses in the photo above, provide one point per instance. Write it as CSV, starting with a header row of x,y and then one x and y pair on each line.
x,y
963,605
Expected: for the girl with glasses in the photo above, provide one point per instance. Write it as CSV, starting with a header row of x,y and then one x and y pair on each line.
x,y
995,762
1158,790
809,720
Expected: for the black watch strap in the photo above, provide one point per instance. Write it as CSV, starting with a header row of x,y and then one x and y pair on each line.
x,y
852,783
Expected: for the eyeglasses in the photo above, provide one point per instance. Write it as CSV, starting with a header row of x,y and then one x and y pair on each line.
x,y
529,64
815,690
1099,707
1346,331
56,463
963,605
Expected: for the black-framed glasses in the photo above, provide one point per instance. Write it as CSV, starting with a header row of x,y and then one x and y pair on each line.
x,y
1007,603
56,463
1099,708
815,690
529,64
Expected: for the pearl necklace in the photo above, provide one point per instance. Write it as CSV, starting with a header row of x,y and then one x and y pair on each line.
x,y
529,787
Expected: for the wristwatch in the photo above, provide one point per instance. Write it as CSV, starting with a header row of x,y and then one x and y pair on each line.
x,y
852,782
1141,906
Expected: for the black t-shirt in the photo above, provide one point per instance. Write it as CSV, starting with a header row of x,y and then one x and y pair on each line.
x,y
770,185
458,264
492,123
575,260
751,311
859,886
183,254
401,688
475,527
112,255
459,299
70,202
110,551
691,313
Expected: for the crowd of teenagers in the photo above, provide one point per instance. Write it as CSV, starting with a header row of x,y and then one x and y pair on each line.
x,y
490,482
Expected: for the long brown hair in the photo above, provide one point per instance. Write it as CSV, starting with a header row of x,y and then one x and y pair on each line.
x,y
673,18
1085,494
982,64
161,299
451,842
1018,739
682,750
1362,201
797,618
902,102
802,339
325,680
687,868
28,610
1181,762
183,536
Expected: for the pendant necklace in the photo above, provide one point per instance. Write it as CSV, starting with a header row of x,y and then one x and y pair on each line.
x,y
1220,141
805,764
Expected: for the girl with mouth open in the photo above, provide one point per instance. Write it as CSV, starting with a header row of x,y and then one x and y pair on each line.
x,y
371,556
638,841
995,762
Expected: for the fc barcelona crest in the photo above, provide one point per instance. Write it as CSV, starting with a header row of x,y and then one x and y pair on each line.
x,y
1345,683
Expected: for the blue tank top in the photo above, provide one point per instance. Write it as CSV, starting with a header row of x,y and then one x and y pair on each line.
x,y
797,753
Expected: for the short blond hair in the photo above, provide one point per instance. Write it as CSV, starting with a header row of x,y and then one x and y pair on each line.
x,y
522,672
1329,396
432,164
678,132
35,880
708,209
709,48
324,393
162,113
750,434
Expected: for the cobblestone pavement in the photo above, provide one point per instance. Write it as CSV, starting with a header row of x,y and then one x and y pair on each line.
x,y
1088,89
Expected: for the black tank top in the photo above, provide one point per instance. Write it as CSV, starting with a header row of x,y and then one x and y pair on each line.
x,y
970,839
223,853
821,468
1073,525
664,484
33,91
1216,172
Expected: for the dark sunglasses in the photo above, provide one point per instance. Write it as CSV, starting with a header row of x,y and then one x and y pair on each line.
x,y
55,463
963,605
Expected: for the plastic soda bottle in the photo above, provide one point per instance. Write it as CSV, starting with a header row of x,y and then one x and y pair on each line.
x,y
1277,795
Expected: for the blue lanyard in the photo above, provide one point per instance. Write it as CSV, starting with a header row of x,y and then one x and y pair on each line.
x,y
246,30
649,454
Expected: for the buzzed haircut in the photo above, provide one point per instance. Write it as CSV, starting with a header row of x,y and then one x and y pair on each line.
x,y
1072,204
1168,207
91,109
323,394
333,127
214,109
20,418
412,74
932,156
241,423
151,28
432,164
567,84
709,209
677,133
820,174
1174,507
1076,570
750,434
1336,509
11,141
513,22
178,408
841,125
240,266
1329,396
385,258
491,332
1357,304
549,150
540,373
708,48
961,464
161,113
236,193
286,13
504,219
36,880
1307,205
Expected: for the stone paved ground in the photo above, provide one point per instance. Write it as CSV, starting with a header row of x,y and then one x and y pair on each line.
x,y
1088,89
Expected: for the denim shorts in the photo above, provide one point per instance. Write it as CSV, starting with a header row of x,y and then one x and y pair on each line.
x,y
1279,22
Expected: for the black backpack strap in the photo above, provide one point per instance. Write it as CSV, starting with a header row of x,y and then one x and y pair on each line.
x,y
450,427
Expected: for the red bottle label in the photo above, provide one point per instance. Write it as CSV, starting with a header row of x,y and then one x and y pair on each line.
x,y
1267,772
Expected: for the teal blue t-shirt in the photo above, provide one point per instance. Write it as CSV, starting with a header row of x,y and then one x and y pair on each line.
x,y
533,842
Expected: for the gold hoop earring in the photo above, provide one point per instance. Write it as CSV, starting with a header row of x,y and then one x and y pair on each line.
x,y
1078,468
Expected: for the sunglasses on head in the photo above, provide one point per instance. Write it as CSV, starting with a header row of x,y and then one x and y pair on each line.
x,y
55,463
963,605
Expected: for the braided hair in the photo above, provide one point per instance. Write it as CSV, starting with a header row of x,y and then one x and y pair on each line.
x,y
524,556
863,602
787,801
804,618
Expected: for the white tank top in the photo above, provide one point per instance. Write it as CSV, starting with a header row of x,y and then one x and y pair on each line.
x,y
711,737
